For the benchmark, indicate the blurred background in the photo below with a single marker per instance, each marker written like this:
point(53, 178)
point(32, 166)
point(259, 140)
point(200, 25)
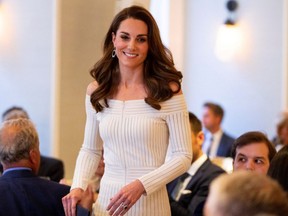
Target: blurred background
point(47, 48)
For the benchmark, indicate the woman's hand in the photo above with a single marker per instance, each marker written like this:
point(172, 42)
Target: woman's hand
point(70, 201)
point(125, 198)
point(87, 198)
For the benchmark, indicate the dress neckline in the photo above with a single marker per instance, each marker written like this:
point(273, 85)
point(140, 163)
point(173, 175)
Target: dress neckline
point(174, 96)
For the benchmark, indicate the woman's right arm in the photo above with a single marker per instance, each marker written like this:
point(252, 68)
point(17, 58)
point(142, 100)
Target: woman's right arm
point(88, 157)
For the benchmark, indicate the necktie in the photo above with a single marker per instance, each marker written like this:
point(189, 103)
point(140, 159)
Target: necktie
point(210, 146)
point(176, 193)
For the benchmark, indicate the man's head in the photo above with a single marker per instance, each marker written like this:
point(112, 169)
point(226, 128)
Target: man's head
point(19, 144)
point(282, 128)
point(197, 136)
point(212, 116)
point(14, 112)
point(245, 193)
point(252, 151)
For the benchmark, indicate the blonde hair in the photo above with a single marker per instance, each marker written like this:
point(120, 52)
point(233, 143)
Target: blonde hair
point(247, 193)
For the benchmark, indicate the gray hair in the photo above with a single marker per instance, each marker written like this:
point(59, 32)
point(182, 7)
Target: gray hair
point(17, 138)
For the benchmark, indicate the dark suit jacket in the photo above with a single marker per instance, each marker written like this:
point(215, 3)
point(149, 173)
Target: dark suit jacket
point(80, 211)
point(225, 146)
point(50, 168)
point(192, 204)
point(24, 194)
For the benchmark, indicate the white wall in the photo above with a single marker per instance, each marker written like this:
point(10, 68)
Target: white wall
point(26, 61)
point(249, 87)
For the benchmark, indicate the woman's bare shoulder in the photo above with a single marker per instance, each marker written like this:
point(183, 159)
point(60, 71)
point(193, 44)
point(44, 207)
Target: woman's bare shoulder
point(91, 87)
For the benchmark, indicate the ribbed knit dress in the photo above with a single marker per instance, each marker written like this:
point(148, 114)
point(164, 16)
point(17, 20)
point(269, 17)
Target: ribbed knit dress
point(135, 139)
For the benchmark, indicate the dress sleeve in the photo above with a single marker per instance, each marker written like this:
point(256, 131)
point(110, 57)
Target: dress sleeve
point(91, 150)
point(180, 144)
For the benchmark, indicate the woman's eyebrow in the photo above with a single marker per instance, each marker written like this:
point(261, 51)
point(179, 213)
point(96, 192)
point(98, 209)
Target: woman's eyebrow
point(139, 35)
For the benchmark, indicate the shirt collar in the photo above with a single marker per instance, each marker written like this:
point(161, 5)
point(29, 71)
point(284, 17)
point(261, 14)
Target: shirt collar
point(16, 168)
point(197, 164)
point(218, 134)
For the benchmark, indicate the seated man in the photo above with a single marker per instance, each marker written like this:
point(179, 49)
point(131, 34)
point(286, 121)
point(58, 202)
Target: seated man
point(217, 142)
point(252, 151)
point(22, 192)
point(188, 195)
point(245, 193)
point(50, 168)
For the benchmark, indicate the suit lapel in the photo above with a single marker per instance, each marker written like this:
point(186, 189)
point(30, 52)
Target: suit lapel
point(194, 183)
point(221, 148)
point(197, 176)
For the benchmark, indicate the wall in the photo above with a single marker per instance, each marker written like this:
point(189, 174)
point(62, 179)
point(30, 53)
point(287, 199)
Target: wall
point(26, 48)
point(79, 39)
point(249, 87)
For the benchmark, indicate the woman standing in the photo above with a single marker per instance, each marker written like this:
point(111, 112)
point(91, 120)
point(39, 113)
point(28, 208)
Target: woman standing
point(135, 109)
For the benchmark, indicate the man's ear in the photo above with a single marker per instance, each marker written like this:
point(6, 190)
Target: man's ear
point(34, 154)
point(200, 138)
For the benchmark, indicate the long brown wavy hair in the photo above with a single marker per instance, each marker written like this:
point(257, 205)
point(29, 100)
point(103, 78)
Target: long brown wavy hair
point(159, 71)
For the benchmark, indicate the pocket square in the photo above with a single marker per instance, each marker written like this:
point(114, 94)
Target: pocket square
point(184, 192)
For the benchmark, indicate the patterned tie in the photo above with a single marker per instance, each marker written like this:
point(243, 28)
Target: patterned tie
point(176, 192)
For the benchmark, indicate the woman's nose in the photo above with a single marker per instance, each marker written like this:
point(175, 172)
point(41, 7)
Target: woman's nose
point(131, 45)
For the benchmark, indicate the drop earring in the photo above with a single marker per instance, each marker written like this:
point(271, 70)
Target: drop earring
point(114, 53)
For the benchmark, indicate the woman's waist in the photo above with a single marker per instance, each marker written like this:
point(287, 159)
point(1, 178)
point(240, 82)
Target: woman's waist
point(125, 174)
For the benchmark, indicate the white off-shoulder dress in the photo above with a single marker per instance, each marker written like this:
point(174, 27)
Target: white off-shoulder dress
point(135, 139)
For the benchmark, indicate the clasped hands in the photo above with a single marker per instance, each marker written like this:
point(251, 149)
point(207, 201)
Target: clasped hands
point(119, 204)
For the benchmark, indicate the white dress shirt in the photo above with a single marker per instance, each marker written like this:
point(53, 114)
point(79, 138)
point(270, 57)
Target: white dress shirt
point(214, 145)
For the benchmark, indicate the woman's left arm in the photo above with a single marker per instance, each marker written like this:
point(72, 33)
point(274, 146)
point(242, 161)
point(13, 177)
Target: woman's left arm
point(177, 120)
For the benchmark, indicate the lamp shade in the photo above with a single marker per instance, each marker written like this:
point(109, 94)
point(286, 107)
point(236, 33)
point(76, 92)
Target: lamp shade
point(228, 42)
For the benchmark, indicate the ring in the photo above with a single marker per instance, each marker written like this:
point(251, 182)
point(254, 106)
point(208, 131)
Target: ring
point(124, 206)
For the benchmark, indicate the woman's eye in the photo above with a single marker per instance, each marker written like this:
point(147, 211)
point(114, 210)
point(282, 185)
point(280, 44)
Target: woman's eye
point(141, 39)
point(124, 37)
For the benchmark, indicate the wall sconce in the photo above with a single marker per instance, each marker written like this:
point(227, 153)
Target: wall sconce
point(229, 36)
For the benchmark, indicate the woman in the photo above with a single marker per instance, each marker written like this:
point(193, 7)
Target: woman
point(140, 109)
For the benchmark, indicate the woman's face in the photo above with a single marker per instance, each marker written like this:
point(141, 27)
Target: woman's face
point(131, 43)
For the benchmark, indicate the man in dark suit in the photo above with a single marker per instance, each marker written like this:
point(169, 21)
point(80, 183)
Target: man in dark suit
point(50, 168)
point(188, 193)
point(217, 142)
point(21, 191)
